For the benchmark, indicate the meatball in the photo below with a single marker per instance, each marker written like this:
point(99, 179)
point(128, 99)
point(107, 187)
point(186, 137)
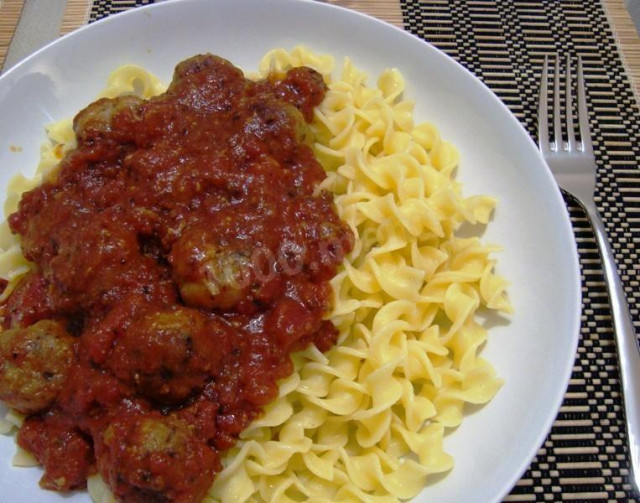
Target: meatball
point(215, 273)
point(168, 354)
point(29, 302)
point(153, 458)
point(97, 120)
point(207, 83)
point(210, 276)
point(304, 88)
point(34, 365)
point(271, 127)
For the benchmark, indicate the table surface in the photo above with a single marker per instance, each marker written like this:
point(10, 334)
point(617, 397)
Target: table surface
point(584, 458)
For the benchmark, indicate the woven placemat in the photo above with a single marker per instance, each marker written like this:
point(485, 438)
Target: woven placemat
point(503, 42)
point(9, 16)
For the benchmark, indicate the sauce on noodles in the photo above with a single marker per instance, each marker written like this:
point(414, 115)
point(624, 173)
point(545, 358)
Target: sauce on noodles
point(182, 251)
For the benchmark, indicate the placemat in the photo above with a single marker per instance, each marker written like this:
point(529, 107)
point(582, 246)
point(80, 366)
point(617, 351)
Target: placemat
point(9, 16)
point(503, 42)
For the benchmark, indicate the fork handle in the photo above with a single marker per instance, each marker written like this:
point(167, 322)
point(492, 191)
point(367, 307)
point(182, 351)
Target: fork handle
point(626, 342)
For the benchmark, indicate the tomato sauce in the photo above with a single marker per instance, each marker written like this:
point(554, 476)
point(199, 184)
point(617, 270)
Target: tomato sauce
point(182, 251)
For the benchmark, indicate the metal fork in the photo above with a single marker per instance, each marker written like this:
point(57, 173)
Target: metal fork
point(573, 164)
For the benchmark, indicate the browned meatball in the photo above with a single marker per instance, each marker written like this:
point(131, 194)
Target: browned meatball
point(97, 120)
point(272, 127)
point(208, 276)
point(155, 458)
point(168, 354)
point(207, 83)
point(29, 302)
point(34, 364)
point(215, 273)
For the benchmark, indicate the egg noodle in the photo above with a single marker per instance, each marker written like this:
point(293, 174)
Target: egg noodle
point(366, 420)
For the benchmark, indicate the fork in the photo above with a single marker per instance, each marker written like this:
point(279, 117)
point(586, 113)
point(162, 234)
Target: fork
point(573, 164)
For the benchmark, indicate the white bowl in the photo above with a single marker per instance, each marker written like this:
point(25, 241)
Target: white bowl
point(534, 353)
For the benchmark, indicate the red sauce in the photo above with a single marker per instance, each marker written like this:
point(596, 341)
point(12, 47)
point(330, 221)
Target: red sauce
point(183, 251)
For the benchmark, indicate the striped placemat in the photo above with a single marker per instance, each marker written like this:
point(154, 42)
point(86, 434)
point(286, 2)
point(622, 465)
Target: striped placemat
point(503, 42)
point(9, 16)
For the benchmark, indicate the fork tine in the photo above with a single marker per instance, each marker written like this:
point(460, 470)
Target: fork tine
point(583, 115)
point(557, 129)
point(571, 138)
point(543, 126)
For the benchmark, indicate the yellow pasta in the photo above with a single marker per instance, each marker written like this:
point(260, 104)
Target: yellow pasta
point(366, 420)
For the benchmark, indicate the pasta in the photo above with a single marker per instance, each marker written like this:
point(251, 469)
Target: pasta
point(366, 420)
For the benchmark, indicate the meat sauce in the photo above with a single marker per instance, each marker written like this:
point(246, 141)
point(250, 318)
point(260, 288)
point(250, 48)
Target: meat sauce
point(182, 251)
